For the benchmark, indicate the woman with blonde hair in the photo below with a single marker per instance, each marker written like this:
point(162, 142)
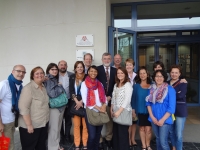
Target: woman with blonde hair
point(130, 64)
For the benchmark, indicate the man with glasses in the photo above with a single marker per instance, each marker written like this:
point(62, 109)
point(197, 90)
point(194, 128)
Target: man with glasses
point(64, 80)
point(10, 91)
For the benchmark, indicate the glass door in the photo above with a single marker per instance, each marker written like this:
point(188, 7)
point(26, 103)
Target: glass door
point(146, 56)
point(167, 54)
point(188, 59)
point(121, 42)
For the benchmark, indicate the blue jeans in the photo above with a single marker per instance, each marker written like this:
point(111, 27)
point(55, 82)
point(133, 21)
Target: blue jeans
point(161, 134)
point(177, 132)
point(94, 133)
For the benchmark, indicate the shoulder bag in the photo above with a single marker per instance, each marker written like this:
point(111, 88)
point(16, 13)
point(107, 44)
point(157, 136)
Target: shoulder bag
point(96, 118)
point(81, 111)
point(59, 101)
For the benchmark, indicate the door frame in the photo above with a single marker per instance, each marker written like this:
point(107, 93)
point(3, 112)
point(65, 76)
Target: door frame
point(111, 31)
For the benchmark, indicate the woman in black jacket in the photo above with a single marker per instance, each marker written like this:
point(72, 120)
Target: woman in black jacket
point(75, 82)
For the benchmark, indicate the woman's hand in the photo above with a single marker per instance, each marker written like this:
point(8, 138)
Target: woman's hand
point(103, 107)
point(116, 114)
point(78, 104)
point(160, 122)
point(155, 121)
point(133, 114)
point(30, 129)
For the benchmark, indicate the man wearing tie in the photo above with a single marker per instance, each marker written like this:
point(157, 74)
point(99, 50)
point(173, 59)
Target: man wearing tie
point(106, 75)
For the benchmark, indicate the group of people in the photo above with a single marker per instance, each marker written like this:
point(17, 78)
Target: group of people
point(129, 99)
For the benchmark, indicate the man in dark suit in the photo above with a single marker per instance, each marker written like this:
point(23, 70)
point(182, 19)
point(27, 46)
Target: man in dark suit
point(106, 75)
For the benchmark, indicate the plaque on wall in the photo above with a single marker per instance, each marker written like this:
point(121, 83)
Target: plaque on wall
point(85, 40)
point(82, 52)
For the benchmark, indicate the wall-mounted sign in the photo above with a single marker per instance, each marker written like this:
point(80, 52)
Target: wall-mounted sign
point(85, 40)
point(82, 52)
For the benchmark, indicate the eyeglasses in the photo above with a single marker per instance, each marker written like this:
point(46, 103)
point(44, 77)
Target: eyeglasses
point(54, 69)
point(19, 71)
point(159, 76)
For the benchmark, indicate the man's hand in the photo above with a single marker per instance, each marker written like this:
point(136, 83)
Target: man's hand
point(1, 127)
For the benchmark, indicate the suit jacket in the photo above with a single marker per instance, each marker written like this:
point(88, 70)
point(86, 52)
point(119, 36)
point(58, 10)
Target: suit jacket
point(102, 78)
point(69, 73)
point(72, 89)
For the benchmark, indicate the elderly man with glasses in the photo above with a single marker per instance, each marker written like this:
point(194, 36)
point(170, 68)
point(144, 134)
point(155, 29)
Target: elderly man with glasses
point(10, 91)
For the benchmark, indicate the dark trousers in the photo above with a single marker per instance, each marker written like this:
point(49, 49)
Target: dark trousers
point(120, 137)
point(68, 123)
point(94, 133)
point(34, 141)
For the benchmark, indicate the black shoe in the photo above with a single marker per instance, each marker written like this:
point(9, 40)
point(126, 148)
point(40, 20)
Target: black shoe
point(109, 144)
point(101, 146)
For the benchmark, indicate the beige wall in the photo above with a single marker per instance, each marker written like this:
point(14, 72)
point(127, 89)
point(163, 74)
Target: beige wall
point(38, 32)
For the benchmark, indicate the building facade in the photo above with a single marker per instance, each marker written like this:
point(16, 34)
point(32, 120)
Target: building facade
point(35, 33)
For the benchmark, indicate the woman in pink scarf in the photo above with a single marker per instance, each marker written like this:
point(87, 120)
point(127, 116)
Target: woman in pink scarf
point(93, 96)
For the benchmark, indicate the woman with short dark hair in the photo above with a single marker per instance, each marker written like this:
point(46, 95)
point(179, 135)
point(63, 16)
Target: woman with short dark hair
point(161, 103)
point(94, 98)
point(54, 89)
point(34, 112)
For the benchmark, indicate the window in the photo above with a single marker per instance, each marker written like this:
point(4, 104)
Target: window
point(122, 16)
point(168, 14)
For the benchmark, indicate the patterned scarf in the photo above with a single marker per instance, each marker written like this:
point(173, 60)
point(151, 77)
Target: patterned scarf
point(93, 85)
point(157, 94)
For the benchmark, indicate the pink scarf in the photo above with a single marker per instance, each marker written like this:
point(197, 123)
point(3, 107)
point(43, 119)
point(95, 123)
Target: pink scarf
point(157, 94)
point(93, 85)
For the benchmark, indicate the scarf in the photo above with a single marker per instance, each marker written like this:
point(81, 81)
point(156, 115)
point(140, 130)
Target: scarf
point(157, 94)
point(15, 93)
point(93, 85)
point(79, 78)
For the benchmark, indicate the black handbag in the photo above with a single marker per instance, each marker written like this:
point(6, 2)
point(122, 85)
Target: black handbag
point(81, 111)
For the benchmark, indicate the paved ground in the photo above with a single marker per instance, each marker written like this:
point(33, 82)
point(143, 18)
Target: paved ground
point(191, 135)
point(187, 145)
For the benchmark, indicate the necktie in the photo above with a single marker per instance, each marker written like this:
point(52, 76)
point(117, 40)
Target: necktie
point(108, 78)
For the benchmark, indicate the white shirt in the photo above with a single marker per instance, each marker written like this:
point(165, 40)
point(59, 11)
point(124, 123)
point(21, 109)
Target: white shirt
point(133, 77)
point(65, 83)
point(121, 96)
point(6, 102)
point(84, 91)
